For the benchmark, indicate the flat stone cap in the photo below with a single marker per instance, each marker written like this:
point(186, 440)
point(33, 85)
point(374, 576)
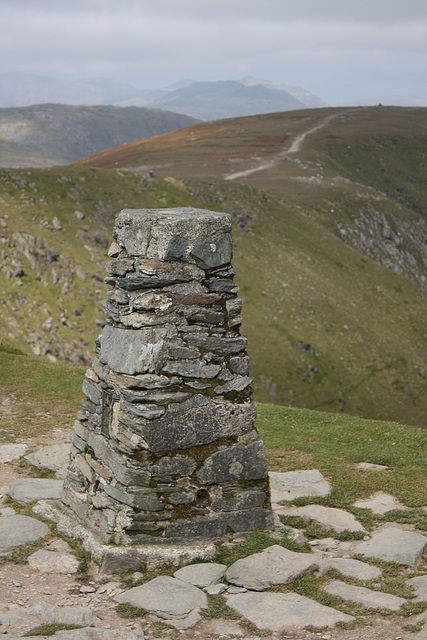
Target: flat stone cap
point(191, 235)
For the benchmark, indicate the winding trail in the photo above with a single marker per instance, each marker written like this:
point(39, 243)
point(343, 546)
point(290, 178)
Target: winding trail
point(293, 148)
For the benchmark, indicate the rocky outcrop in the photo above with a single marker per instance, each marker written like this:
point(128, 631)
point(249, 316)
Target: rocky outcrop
point(399, 245)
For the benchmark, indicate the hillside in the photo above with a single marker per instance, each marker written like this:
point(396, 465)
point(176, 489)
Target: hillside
point(329, 241)
point(52, 134)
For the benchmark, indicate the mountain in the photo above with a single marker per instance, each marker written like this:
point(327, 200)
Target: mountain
point(227, 98)
point(53, 134)
point(24, 89)
point(304, 96)
point(330, 237)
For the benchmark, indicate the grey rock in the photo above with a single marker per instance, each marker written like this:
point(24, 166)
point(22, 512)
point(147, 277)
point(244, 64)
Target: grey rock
point(147, 411)
point(54, 457)
point(92, 633)
point(200, 528)
point(179, 466)
point(174, 601)
point(217, 344)
point(143, 381)
point(133, 351)
point(53, 562)
point(92, 391)
point(191, 369)
point(244, 500)
point(163, 233)
point(284, 611)
point(145, 499)
point(10, 452)
point(202, 423)
point(394, 545)
point(239, 365)
point(235, 590)
point(216, 589)
point(249, 520)
point(420, 585)
point(349, 567)
point(236, 384)
point(199, 386)
point(201, 575)
point(274, 565)
point(155, 396)
point(380, 503)
point(240, 462)
point(16, 530)
point(45, 613)
point(297, 484)
point(213, 253)
point(27, 490)
point(117, 462)
point(182, 498)
point(336, 519)
point(367, 597)
point(223, 285)
point(119, 267)
point(369, 466)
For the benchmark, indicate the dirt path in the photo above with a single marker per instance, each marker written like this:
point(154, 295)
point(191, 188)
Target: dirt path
point(294, 147)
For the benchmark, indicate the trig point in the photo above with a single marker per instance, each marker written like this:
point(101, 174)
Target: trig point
point(165, 455)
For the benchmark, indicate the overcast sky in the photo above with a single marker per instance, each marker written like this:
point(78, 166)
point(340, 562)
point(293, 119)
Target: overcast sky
point(340, 50)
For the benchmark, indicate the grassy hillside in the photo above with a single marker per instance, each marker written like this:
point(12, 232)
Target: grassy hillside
point(328, 245)
point(52, 134)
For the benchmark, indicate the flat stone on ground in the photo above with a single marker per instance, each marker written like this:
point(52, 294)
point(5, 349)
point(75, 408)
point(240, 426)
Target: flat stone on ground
point(53, 562)
point(223, 628)
point(367, 597)
point(10, 452)
point(16, 530)
point(284, 611)
point(91, 633)
point(380, 503)
point(350, 568)
point(45, 613)
point(297, 484)
point(394, 545)
point(331, 518)
point(420, 584)
point(54, 457)
point(26, 490)
point(370, 466)
point(274, 565)
point(202, 574)
point(176, 602)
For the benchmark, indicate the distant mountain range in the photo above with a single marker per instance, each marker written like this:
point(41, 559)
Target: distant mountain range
point(227, 98)
point(201, 100)
point(54, 134)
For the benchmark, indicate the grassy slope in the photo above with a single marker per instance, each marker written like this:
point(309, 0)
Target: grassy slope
point(300, 283)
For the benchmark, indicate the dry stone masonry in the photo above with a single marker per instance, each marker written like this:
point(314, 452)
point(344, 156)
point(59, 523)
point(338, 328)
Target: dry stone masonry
point(165, 449)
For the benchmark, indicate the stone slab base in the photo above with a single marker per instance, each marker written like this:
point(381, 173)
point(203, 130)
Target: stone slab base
point(116, 559)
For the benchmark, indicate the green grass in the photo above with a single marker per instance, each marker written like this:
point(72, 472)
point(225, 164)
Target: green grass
point(49, 629)
point(334, 444)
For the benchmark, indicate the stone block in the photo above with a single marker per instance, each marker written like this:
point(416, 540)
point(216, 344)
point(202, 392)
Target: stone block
point(197, 426)
point(240, 462)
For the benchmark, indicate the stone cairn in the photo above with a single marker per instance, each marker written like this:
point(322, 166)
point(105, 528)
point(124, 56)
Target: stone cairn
point(165, 449)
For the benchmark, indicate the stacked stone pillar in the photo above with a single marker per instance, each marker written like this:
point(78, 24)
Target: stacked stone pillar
point(165, 450)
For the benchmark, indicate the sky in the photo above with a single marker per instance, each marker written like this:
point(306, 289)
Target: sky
point(341, 50)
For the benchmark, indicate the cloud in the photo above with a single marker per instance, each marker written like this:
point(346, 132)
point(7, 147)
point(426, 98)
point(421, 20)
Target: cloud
point(152, 42)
